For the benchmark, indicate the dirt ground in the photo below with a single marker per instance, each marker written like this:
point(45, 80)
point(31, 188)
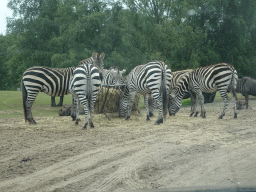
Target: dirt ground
point(120, 155)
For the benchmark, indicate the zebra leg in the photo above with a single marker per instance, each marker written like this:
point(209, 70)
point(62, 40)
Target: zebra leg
point(226, 100)
point(129, 105)
point(194, 103)
point(76, 111)
point(28, 106)
point(146, 106)
point(234, 100)
point(151, 106)
point(29, 113)
point(199, 97)
point(53, 104)
point(61, 101)
point(91, 113)
point(246, 100)
point(86, 111)
point(158, 99)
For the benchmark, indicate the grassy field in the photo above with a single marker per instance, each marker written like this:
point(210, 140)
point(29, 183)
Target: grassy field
point(11, 104)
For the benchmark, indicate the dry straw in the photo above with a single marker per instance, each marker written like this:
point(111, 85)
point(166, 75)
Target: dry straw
point(111, 97)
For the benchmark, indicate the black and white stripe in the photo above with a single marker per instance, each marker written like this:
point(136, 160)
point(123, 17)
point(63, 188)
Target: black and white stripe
point(179, 90)
point(219, 77)
point(52, 81)
point(85, 85)
point(151, 78)
point(177, 76)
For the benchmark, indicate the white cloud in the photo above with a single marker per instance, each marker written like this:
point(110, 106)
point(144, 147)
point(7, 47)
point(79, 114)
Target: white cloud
point(4, 12)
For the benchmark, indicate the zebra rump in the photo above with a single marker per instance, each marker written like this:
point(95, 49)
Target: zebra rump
point(85, 84)
point(151, 78)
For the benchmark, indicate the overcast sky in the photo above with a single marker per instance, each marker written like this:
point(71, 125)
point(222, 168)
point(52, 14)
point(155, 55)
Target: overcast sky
point(4, 12)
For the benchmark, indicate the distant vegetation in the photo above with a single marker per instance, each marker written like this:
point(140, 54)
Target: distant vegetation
point(184, 34)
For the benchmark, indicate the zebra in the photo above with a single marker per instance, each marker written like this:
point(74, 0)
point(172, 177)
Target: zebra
point(176, 77)
point(52, 81)
point(85, 85)
point(151, 78)
point(178, 92)
point(246, 86)
point(220, 77)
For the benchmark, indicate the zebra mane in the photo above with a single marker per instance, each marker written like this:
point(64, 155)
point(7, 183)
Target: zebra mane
point(214, 65)
point(85, 60)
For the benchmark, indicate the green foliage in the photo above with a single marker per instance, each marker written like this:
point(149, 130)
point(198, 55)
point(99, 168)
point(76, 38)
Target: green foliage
point(186, 102)
point(184, 34)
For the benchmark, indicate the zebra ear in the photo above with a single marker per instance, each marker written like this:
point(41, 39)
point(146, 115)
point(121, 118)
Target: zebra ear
point(123, 71)
point(102, 56)
point(95, 56)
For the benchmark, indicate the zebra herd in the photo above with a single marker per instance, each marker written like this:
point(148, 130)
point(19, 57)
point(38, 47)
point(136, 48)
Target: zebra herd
point(153, 80)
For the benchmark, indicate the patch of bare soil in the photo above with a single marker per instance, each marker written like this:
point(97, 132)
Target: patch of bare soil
point(120, 155)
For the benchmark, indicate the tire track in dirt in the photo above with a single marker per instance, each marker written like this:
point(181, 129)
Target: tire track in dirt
point(182, 152)
point(81, 163)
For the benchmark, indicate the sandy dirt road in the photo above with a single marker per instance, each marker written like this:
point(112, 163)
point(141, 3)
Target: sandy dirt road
point(119, 155)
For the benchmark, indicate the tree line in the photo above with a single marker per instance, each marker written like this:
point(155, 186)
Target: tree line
point(182, 33)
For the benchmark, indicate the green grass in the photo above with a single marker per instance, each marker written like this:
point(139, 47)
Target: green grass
point(11, 104)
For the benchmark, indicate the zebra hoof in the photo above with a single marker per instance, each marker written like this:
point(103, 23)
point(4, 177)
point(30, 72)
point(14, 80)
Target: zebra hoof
point(84, 127)
point(32, 122)
point(127, 117)
point(159, 121)
point(191, 115)
point(235, 116)
point(148, 119)
point(91, 125)
point(151, 114)
point(76, 123)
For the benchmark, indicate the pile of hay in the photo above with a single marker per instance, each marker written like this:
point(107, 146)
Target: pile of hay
point(112, 97)
point(111, 105)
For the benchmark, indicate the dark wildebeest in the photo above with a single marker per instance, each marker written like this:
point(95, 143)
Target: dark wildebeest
point(246, 86)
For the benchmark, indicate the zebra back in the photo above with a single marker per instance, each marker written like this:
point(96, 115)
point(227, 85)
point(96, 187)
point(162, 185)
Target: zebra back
point(52, 81)
point(209, 76)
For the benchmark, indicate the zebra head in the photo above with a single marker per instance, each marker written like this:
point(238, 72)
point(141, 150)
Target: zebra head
point(177, 93)
point(116, 77)
point(98, 61)
point(174, 103)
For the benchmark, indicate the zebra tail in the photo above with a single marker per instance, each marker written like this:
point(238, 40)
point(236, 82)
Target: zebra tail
point(89, 90)
point(233, 84)
point(164, 93)
point(24, 98)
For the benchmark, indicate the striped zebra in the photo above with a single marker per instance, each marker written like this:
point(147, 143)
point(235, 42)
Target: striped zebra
point(151, 78)
point(52, 81)
point(220, 77)
point(85, 85)
point(176, 77)
point(178, 92)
